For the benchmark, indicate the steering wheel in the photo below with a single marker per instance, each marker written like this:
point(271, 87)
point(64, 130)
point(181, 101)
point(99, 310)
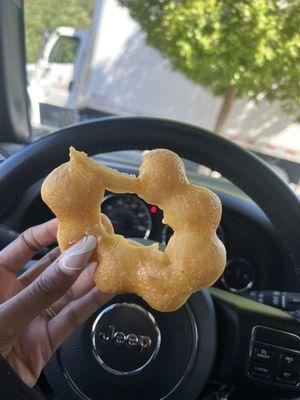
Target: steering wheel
point(129, 351)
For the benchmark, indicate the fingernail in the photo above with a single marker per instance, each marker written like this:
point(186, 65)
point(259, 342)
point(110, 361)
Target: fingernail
point(75, 258)
point(90, 265)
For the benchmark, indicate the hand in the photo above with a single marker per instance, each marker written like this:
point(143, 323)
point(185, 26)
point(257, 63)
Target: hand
point(28, 337)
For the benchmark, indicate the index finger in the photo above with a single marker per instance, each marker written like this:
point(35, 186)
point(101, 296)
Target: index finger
point(16, 254)
point(18, 311)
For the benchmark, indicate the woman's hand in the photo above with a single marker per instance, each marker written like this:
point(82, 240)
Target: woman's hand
point(40, 308)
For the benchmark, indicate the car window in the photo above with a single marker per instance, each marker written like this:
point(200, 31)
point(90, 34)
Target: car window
point(232, 68)
point(64, 51)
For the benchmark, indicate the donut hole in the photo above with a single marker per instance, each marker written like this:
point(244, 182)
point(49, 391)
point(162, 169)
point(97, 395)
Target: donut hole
point(130, 215)
point(167, 234)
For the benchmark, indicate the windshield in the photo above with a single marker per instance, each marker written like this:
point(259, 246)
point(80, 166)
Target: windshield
point(64, 51)
point(231, 67)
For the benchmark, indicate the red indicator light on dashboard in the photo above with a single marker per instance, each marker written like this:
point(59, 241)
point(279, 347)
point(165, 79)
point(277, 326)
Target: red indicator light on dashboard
point(153, 209)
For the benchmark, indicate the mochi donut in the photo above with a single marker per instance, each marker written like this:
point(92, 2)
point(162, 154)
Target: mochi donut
point(194, 257)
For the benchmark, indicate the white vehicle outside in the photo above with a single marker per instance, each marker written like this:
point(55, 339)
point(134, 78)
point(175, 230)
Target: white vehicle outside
point(111, 70)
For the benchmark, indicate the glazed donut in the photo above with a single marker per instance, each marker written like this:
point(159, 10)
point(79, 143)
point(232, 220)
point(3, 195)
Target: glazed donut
point(194, 257)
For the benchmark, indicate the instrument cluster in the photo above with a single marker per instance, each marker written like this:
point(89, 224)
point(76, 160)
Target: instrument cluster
point(132, 217)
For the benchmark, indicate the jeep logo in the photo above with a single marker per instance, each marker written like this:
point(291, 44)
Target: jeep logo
point(120, 338)
point(125, 338)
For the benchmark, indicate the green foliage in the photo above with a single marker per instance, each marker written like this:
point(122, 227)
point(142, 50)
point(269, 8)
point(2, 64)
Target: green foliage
point(250, 45)
point(41, 14)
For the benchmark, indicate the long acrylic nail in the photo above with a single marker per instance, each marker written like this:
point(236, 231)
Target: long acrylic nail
point(75, 258)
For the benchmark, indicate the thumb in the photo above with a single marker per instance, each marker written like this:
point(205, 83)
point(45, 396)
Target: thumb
point(21, 309)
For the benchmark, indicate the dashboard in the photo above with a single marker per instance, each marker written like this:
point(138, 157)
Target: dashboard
point(133, 217)
point(255, 257)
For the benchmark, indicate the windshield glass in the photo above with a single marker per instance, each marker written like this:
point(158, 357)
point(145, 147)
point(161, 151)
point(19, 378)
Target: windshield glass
point(64, 51)
point(231, 67)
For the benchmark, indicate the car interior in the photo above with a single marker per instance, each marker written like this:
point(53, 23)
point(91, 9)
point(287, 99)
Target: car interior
point(239, 339)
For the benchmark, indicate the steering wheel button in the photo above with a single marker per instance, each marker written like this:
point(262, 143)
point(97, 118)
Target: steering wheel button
point(288, 359)
point(263, 354)
point(288, 376)
point(260, 371)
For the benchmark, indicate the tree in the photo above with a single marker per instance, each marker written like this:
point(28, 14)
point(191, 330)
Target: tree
point(41, 14)
point(234, 48)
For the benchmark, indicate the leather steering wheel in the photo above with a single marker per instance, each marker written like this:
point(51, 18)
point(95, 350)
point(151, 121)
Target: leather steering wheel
point(184, 342)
